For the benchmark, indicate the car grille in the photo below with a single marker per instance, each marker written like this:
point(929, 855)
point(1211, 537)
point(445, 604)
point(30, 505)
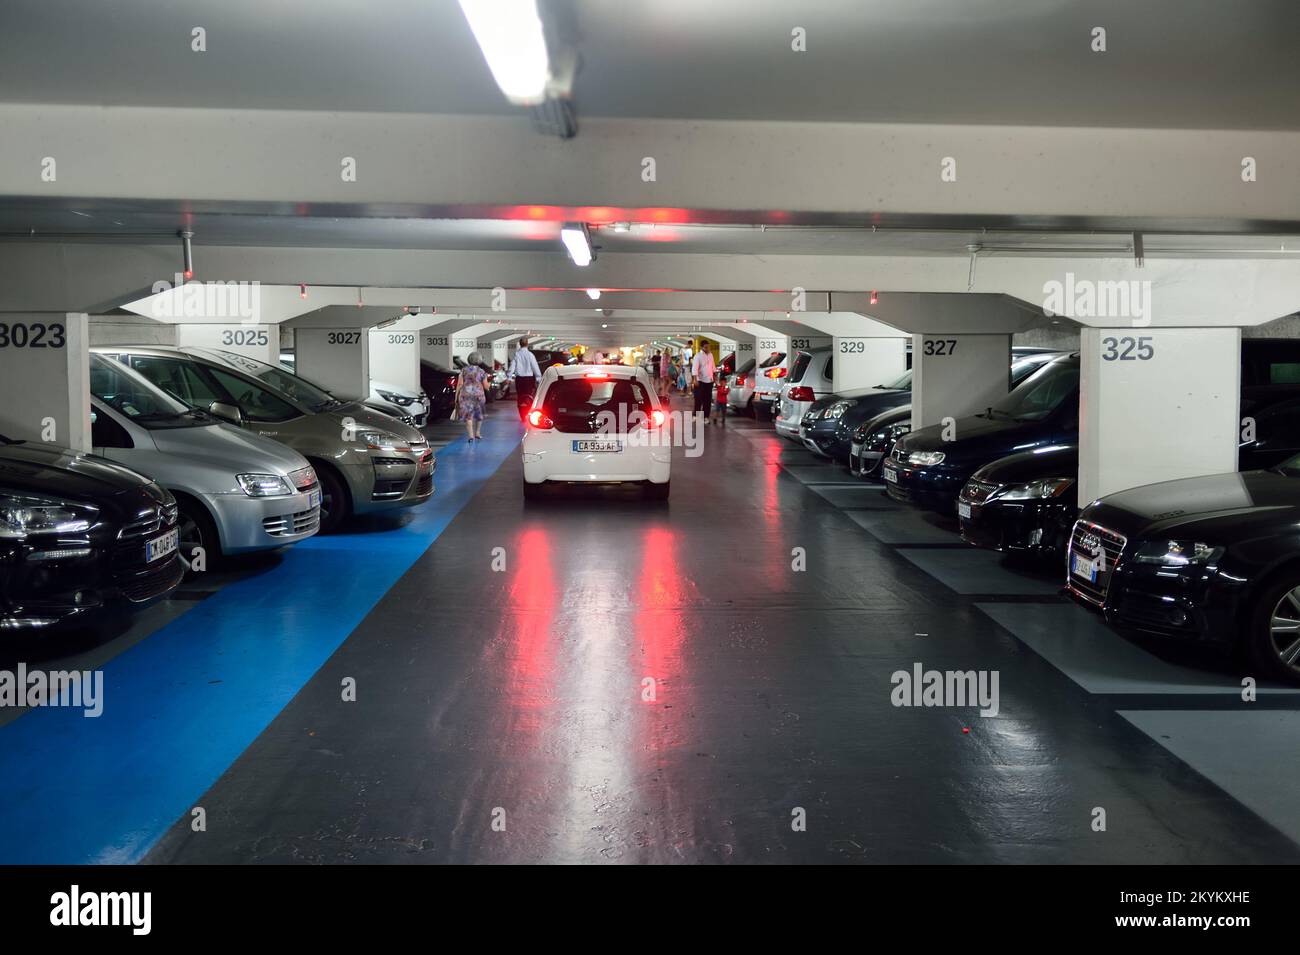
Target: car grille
point(155, 583)
point(151, 520)
point(977, 492)
point(1085, 539)
point(292, 525)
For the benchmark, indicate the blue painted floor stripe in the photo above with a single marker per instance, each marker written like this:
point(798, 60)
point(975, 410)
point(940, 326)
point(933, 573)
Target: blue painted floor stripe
point(180, 706)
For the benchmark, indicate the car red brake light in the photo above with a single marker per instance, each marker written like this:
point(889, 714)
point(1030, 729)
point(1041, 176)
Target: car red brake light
point(538, 419)
point(657, 418)
point(801, 393)
point(740, 381)
point(775, 373)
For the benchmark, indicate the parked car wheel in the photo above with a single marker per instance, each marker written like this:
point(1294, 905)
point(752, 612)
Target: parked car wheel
point(335, 502)
point(1275, 628)
point(197, 529)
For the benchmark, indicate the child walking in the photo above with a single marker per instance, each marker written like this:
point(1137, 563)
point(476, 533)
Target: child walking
point(720, 391)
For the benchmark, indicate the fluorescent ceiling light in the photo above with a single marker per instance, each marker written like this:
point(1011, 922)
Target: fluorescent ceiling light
point(509, 32)
point(593, 294)
point(577, 240)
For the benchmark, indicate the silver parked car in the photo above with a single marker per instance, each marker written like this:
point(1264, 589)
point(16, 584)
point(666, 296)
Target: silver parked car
point(236, 491)
point(366, 461)
point(811, 377)
point(740, 385)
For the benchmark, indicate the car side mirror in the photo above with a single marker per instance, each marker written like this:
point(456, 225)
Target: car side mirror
point(226, 412)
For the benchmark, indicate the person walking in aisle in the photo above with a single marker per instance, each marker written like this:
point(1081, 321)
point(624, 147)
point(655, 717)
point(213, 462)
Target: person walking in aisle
point(471, 396)
point(702, 369)
point(525, 371)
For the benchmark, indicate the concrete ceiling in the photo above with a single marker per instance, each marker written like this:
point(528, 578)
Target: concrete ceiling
point(1195, 64)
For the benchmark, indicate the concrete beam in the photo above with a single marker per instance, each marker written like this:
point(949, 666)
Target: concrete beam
point(494, 167)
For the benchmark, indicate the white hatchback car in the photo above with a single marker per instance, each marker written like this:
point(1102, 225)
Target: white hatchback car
point(597, 424)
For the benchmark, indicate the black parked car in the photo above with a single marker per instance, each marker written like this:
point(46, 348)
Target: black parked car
point(440, 385)
point(832, 422)
point(873, 440)
point(79, 533)
point(1214, 560)
point(1025, 503)
point(1028, 502)
point(827, 426)
point(1043, 410)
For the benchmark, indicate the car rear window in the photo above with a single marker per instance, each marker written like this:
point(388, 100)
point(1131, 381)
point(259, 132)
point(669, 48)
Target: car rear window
point(586, 405)
point(801, 362)
point(772, 360)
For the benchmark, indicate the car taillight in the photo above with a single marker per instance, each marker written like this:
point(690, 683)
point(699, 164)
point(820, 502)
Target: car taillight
point(657, 418)
point(801, 393)
point(775, 372)
point(538, 419)
point(455, 380)
point(740, 381)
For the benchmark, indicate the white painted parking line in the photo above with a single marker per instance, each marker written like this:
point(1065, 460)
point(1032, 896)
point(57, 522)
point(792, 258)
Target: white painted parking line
point(1094, 656)
point(1249, 755)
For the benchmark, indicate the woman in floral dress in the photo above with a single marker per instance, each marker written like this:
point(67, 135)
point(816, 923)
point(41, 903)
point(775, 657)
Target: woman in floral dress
point(471, 396)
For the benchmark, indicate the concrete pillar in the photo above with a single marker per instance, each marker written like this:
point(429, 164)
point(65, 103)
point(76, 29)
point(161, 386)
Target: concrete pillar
point(255, 341)
point(863, 361)
point(45, 378)
point(1156, 404)
point(955, 375)
point(337, 359)
point(435, 346)
point(395, 354)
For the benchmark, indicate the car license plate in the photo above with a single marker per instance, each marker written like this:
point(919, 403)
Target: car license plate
point(596, 447)
point(1083, 566)
point(963, 509)
point(162, 546)
point(891, 475)
point(855, 450)
point(313, 499)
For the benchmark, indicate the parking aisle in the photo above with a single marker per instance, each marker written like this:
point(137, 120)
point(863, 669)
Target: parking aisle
point(593, 678)
point(182, 703)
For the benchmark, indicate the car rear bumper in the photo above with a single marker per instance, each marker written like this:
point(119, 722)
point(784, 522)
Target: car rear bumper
point(549, 456)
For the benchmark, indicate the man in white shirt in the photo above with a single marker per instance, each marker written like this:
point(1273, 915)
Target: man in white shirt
point(525, 371)
point(702, 369)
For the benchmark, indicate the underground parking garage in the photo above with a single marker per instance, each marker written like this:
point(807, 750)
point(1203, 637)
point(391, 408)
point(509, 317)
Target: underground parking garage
point(581, 433)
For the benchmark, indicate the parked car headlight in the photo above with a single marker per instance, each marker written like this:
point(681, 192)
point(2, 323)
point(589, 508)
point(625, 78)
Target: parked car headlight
point(23, 514)
point(383, 441)
point(925, 458)
point(263, 485)
point(1035, 490)
point(400, 400)
point(837, 410)
point(1177, 553)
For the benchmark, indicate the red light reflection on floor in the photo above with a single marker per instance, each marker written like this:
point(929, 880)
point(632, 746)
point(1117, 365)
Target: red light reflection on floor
point(660, 628)
point(526, 626)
